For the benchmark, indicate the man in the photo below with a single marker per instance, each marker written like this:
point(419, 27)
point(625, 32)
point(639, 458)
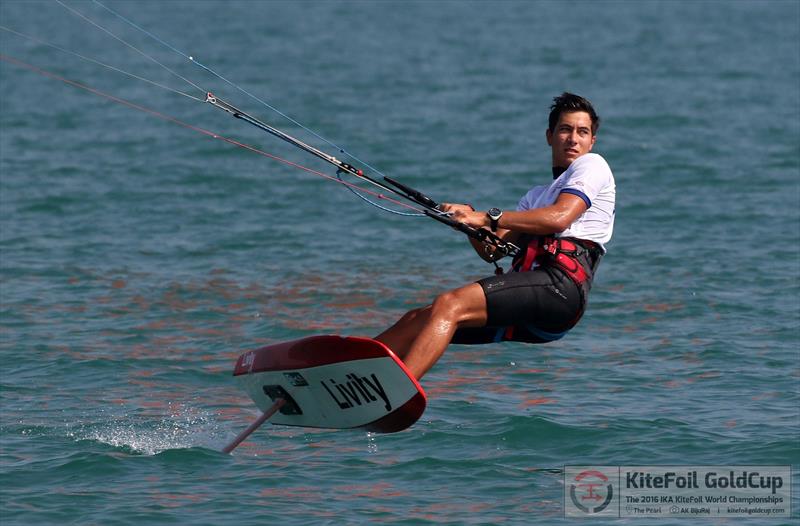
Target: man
point(562, 229)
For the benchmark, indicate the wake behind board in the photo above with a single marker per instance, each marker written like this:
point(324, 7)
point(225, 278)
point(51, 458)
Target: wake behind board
point(333, 382)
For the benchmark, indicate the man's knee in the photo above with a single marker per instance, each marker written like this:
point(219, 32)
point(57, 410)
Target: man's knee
point(464, 306)
point(449, 304)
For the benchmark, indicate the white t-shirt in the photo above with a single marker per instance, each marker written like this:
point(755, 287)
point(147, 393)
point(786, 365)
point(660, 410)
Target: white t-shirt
point(590, 178)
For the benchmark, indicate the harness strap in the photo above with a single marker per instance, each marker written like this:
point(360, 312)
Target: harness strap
point(564, 253)
point(532, 252)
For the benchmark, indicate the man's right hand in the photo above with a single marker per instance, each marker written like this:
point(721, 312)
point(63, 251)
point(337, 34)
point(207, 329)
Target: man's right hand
point(452, 207)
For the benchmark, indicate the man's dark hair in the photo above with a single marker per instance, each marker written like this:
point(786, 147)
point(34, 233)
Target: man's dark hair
point(569, 102)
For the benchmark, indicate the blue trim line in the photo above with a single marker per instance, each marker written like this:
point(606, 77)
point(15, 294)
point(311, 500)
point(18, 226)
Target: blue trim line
point(499, 336)
point(549, 336)
point(579, 194)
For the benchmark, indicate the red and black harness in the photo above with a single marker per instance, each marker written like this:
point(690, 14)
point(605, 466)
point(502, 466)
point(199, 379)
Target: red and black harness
point(576, 258)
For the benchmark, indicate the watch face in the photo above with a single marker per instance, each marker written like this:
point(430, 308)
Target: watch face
point(494, 213)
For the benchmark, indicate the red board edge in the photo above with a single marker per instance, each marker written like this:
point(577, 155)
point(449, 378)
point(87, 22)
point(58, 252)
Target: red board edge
point(304, 353)
point(402, 417)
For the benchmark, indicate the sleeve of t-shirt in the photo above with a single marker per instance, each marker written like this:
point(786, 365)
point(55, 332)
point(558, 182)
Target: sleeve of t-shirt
point(526, 203)
point(589, 175)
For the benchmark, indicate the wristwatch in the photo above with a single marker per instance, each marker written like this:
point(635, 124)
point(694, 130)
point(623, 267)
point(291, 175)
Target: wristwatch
point(494, 216)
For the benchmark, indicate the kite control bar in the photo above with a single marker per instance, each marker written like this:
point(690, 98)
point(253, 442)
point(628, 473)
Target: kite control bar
point(433, 210)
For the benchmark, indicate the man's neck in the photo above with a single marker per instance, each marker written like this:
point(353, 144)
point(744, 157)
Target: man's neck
point(558, 170)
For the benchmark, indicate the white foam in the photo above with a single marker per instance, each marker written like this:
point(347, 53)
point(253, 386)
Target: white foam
point(185, 427)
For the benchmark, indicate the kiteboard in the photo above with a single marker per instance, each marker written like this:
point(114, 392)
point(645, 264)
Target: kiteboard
point(332, 382)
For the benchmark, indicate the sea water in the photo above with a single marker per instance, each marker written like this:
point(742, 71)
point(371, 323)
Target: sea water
point(139, 258)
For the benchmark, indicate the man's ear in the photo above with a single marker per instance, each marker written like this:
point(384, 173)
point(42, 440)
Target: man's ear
point(549, 135)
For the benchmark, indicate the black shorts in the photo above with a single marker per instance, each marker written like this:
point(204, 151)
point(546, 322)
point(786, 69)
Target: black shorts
point(537, 306)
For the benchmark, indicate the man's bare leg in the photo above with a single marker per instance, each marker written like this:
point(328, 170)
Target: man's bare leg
point(400, 336)
point(421, 336)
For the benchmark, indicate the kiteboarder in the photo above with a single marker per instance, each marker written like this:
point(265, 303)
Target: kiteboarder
point(562, 228)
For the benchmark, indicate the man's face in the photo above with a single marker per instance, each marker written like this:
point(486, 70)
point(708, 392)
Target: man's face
point(571, 138)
